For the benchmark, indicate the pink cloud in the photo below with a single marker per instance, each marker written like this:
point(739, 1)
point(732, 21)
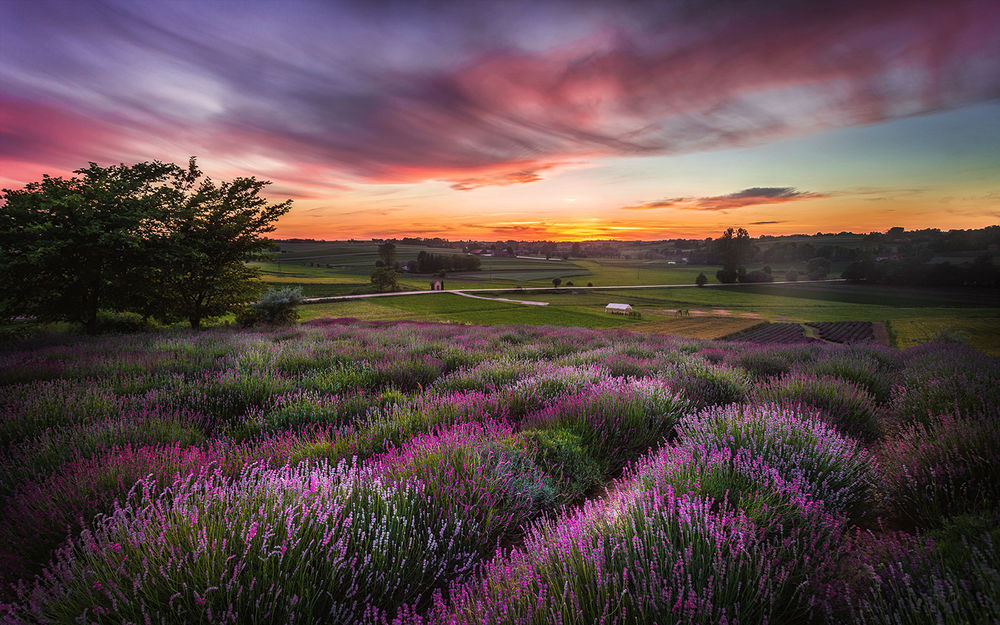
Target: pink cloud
point(654, 78)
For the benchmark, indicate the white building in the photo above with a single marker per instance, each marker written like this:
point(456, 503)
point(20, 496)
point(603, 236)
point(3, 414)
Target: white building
point(619, 309)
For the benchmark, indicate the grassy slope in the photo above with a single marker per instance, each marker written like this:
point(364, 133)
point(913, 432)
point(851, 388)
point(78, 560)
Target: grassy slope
point(916, 314)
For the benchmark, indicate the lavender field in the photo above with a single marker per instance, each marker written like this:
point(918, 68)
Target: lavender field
point(359, 472)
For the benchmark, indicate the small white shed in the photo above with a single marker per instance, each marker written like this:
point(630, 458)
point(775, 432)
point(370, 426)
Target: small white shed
point(620, 309)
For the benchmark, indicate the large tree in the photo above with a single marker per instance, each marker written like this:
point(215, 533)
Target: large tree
point(734, 249)
point(216, 231)
point(69, 247)
point(387, 254)
point(148, 238)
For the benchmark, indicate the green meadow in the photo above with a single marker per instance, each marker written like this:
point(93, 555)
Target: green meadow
point(913, 315)
point(324, 269)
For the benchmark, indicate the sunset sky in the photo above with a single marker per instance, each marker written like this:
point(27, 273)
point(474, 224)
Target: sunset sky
point(527, 120)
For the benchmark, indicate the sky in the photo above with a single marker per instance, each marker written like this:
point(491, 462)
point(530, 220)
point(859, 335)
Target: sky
point(527, 119)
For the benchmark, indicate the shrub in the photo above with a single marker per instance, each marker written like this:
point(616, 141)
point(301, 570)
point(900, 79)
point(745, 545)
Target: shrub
point(946, 378)
point(539, 390)
point(638, 557)
point(110, 322)
point(340, 379)
point(949, 467)
point(856, 368)
point(706, 385)
point(621, 366)
point(850, 409)
point(466, 474)
point(801, 528)
point(35, 520)
point(616, 420)
point(910, 582)
point(202, 550)
point(713, 355)
point(275, 307)
point(305, 409)
point(827, 466)
point(227, 396)
point(28, 409)
point(736, 478)
point(561, 454)
point(488, 375)
point(408, 374)
point(37, 456)
point(765, 361)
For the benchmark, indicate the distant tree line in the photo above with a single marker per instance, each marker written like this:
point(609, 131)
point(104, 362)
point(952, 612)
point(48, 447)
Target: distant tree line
point(981, 272)
point(155, 239)
point(428, 262)
point(839, 247)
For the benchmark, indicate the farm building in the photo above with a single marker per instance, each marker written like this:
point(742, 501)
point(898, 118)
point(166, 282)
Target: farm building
point(620, 309)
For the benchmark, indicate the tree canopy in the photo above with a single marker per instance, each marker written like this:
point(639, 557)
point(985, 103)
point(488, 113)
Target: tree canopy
point(734, 248)
point(153, 238)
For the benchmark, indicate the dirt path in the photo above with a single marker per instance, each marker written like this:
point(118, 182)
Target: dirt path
point(503, 299)
point(880, 333)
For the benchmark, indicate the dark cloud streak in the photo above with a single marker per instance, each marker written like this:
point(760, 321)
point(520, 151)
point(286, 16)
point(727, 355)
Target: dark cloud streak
point(753, 196)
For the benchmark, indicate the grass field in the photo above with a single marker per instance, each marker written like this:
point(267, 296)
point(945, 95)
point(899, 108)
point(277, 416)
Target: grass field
point(344, 268)
point(457, 309)
point(915, 315)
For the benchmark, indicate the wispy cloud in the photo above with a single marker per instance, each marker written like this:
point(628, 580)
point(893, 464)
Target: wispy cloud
point(503, 178)
point(444, 91)
point(753, 196)
point(668, 203)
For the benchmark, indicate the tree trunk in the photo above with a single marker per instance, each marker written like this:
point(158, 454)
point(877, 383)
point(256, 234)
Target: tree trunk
point(90, 322)
point(195, 321)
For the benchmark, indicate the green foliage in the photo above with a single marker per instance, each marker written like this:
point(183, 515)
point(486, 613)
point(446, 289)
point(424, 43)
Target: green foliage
point(857, 368)
point(276, 307)
point(385, 279)
point(734, 249)
point(146, 238)
point(216, 231)
point(850, 408)
point(818, 268)
point(701, 280)
point(947, 468)
point(440, 264)
point(387, 254)
point(560, 453)
point(74, 246)
point(109, 322)
point(706, 385)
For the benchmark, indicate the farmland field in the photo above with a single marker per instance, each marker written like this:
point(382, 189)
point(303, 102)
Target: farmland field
point(362, 472)
point(915, 315)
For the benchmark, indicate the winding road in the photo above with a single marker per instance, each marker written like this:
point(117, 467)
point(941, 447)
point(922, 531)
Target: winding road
point(465, 292)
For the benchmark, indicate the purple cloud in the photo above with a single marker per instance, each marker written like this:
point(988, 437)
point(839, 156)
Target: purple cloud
point(473, 94)
point(747, 197)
